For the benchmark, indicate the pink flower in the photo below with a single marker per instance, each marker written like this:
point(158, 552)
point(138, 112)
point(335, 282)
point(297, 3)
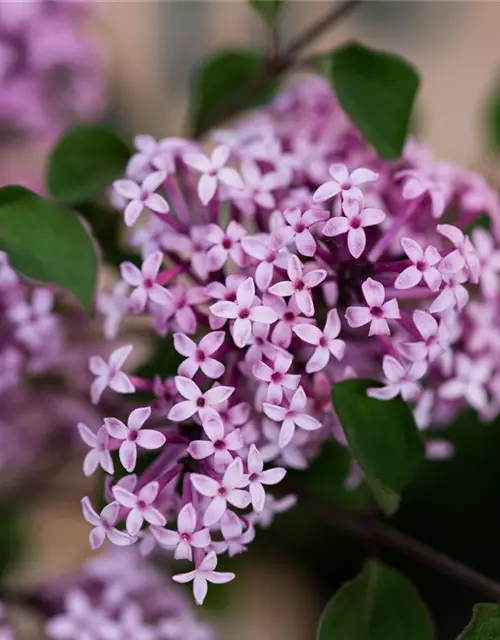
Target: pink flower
point(299, 285)
point(260, 345)
point(258, 188)
point(401, 380)
point(471, 378)
point(289, 315)
point(109, 374)
point(196, 401)
point(277, 377)
point(99, 454)
point(292, 417)
point(144, 281)
point(269, 253)
point(489, 260)
point(244, 312)
point(79, 621)
point(342, 182)
point(453, 295)
point(198, 356)
point(214, 172)
point(225, 244)
point(113, 307)
point(130, 624)
point(141, 196)
point(104, 525)
point(235, 538)
point(326, 341)
point(298, 229)
point(271, 508)
point(435, 338)
point(353, 222)
point(257, 478)
point(417, 184)
point(186, 535)
point(464, 254)
point(219, 444)
point(376, 313)
point(422, 267)
point(226, 292)
point(202, 575)
point(141, 507)
point(132, 436)
point(180, 312)
point(34, 321)
point(224, 491)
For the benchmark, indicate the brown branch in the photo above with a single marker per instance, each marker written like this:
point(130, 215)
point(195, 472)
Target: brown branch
point(393, 539)
point(281, 63)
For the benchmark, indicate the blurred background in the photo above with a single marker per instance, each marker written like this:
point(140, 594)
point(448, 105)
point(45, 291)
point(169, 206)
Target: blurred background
point(149, 50)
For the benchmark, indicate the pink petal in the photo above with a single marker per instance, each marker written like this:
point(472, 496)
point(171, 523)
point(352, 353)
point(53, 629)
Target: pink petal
point(246, 293)
point(207, 187)
point(383, 393)
point(263, 315)
point(356, 241)
point(371, 216)
point(379, 327)
point(215, 511)
point(116, 428)
point(153, 181)
point(391, 309)
point(373, 292)
point(121, 383)
point(216, 258)
point(128, 455)
point(239, 498)
point(212, 368)
point(408, 278)
point(254, 461)
point(318, 360)
point(97, 388)
point(220, 155)
point(124, 497)
point(88, 436)
point(154, 517)
point(132, 212)
point(217, 395)
point(283, 289)
point(150, 439)
point(138, 417)
point(241, 331)
point(287, 432)
point(339, 172)
point(201, 449)
point(89, 513)
point(156, 203)
point(304, 302)
point(204, 485)
point(305, 243)
point(182, 411)
point(432, 278)
point(254, 247)
point(118, 357)
point(184, 345)
point(200, 539)
point(149, 492)
point(258, 496)
point(361, 175)
point(127, 189)
point(326, 191)
point(308, 333)
point(134, 522)
point(314, 278)
point(97, 537)
point(336, 226)
point(231, 178)
point(166, 538)
point(211, 342)
point(91, 462)
point(412, 249)
point(393, 370)
point(224, 309)
point(187, 388)
point(131, 274)
point(426, 324)
point(451, 232)
point(357, 316)
point(273, 476)
point(294, 268)
point(452, 263)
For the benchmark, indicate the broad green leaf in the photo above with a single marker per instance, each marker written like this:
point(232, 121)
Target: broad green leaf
point(269, 10)
point(218, 80)
point(387, 500)
point(377, 91)
point(485, 623)
point(381, 433)
point(85, 161)
point(47, 243)
point(379, 604)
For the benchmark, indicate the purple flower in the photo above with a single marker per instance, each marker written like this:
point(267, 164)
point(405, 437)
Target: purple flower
point(214, 172)
point(326, 341)
point(141, 506)
point(186, 537)
point(203, 574)
point(299, 285)
point(257, 477)
point(104, 525)
point(144, 281)
point(199, 357)
point(291, 417)
point(423, 266)
point(140, 196)
point(99, 454)
point(109, 374)
point(219, 444)
point(196, 401)
point(376, 313)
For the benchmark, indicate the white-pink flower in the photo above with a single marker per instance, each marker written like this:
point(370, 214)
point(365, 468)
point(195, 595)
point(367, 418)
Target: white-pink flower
point(326, 341)
point(244, 311)
point(227, 490)
point(376, 313)
point(99, 454)
point(196, 401)
point(258, 188)
point(423, 266)
point(489, 260)
point(225, 244)
point(298, 228)
point(132, 436)
point(454, 294)
point(257, 477)
point(269, 253)
point(141, 196)
point(219, 443)
point(356, 217)
point(103, 524)
point(202, 575)
point(144, 282)
point(214, 172)
point(464, 255)
point(109, 374)
point(342, 182)
point(276, 376)
point(199, 356)
point(235, 538)
point(401, 380)
point(291, 417)
point(186, 537)
point(141, 506)
point(299, 285)
point(435, 338)
point(469, 382)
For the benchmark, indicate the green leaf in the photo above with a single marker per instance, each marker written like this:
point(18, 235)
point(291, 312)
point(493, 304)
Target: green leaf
point(493, 117)
point(269, 10)
point(12, 538)
point(380, 604)
point(387, 500)
point(85, 161)
point(218, 80)
point(485, 623)
point(47, 243)
point(382, 434)
point(377, 91)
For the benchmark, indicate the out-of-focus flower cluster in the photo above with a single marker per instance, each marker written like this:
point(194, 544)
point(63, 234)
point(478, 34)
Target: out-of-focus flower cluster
point(50, 74)
point(288, 259)
point(116, 596)
point(43, 383)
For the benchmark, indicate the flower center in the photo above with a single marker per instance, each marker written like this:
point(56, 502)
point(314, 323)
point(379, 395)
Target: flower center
point(377, 312)
point(223, 491)
point(148, 283)
point(253, 477)
point(323, 342)
point(299, 285)
point(227, 243)
point(141, 505)
point(220, 445)
point(200, 402)
point(289, 316)
point(132, 435)
point(277, 377)
point(421, 265)
point(300, 227)
point(200, 356)
point(355, 222)
point(244, 313)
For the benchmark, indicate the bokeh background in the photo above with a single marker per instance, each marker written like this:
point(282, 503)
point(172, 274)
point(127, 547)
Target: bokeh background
point(150, 49)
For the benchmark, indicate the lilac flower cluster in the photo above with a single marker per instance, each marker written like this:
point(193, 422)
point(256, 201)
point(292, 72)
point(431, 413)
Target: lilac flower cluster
point(50, 74)
point(290, 258)
point(42, 383)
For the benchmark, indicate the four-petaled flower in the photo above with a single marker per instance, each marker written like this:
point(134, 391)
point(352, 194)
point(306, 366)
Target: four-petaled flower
point(299, 285)
point(464, 254)
point(258, 477)
point(141, 506)
point(199, 356)
point(435, 338)
point(109, 374)
point(99, 454)
point(186, 536)
point(203, 574)
point(196, 401)
point(276, 376)
point(471, 378)
point(141, 196)
point(219, 444)
point(214, 172)
point(298, 229)
point(291, 417)
point(376, 313)
point(423, 266)
point(342, 182)
point(227, 490)
point(103, 524)
point(225, 244)
point(144, 282)
point(326, 341)
point(133, 436)
point(356, 218)
point(400, 380)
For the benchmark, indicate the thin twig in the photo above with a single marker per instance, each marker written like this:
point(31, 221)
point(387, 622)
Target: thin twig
point(281, 63)
point(393, 539)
